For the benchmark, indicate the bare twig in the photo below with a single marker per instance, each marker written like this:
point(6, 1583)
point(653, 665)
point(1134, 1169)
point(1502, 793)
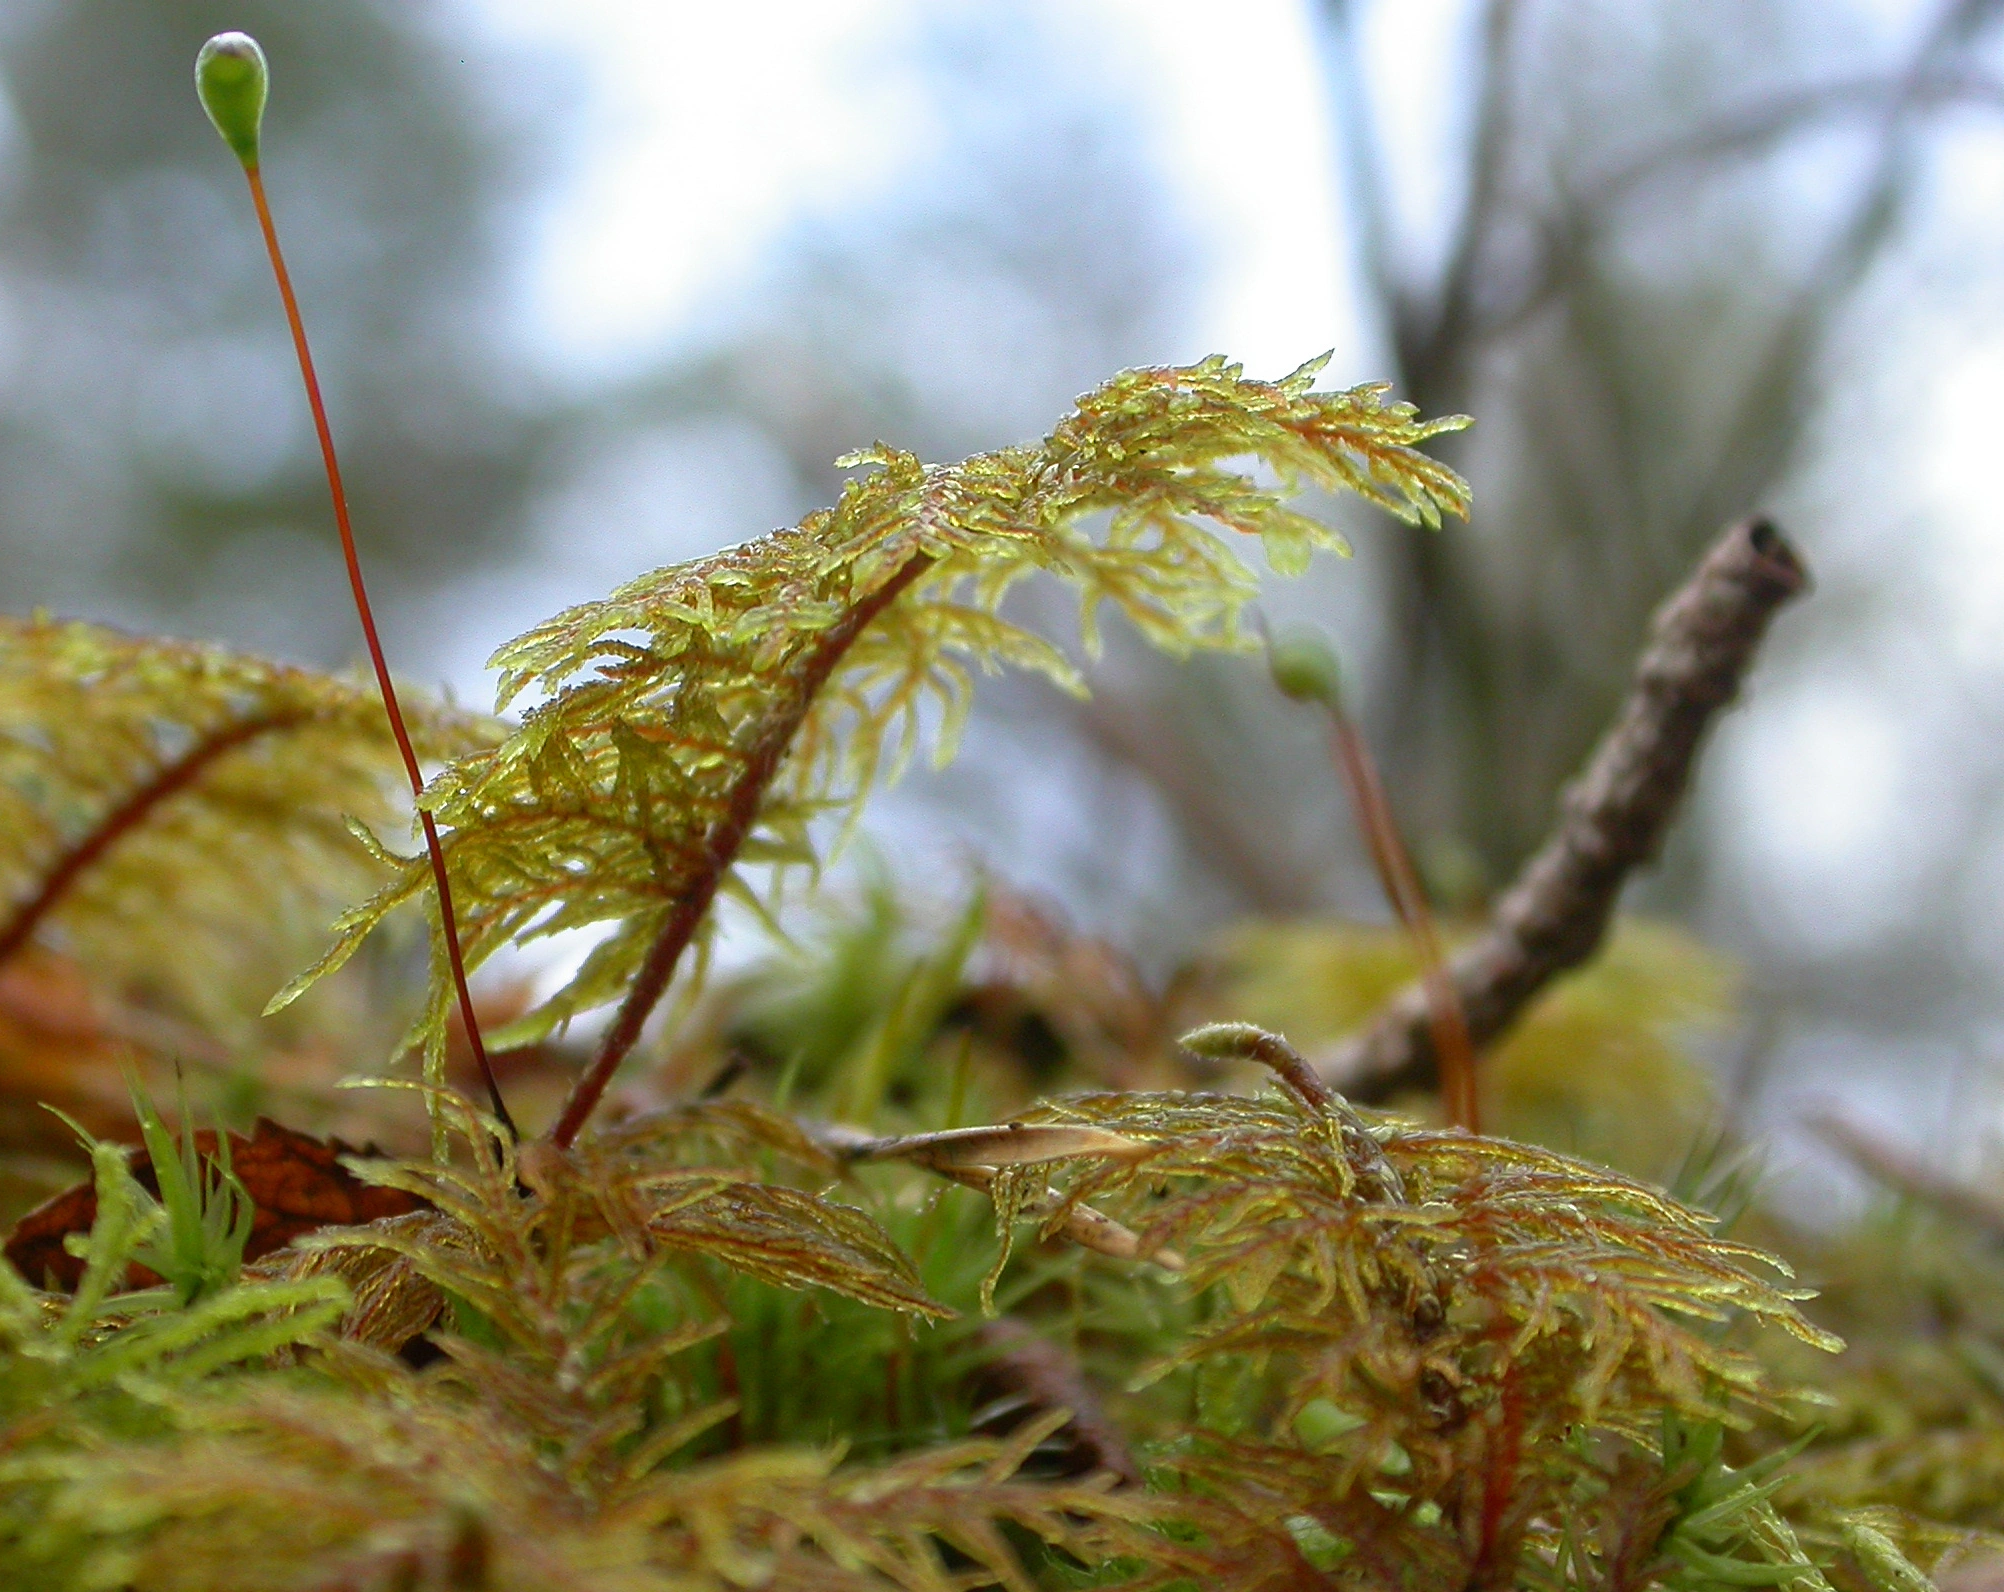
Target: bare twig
point(1903, 1174)
point(1004, 1144)
point(1084, 1226)
point(1612, 819)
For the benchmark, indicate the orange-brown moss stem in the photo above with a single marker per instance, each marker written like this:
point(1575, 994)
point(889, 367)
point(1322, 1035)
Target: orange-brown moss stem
point(377, 661)
point(1496, 1554)
point(810, 672)
point(1447, 1023)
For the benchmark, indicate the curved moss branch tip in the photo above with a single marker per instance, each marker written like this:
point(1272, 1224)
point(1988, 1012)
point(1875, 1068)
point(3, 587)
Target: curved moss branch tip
point(1229, 1042)
point(232, 79)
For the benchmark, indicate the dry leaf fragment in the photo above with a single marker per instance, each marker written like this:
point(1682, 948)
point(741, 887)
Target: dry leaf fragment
point(296, 1182)
point(1004, 1144)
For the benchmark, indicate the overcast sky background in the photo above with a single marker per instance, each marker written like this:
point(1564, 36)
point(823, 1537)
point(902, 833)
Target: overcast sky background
point(706, 129)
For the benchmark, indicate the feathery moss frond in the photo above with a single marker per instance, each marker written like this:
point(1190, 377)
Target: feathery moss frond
point(517, 1259)
point(168, 811)
point(389, 1482)
point(1420, 1344)
point(103, 1366)
point(1369, 1355)
point(1319, 1218)
point(702, 716)
point(1417, 1359)
point(543, 1441)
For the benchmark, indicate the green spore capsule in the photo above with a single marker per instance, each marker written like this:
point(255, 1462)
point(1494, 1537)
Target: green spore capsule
point(232, 79)
point(1304, 667)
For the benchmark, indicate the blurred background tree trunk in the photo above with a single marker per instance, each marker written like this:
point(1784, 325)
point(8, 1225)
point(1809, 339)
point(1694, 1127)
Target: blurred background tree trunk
point(1643, 359)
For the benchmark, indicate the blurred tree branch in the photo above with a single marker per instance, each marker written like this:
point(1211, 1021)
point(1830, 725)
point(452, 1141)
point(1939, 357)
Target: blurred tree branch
point(1467, 654)
point(1910, 1178)
point(1125, 732)
point(1611, 822)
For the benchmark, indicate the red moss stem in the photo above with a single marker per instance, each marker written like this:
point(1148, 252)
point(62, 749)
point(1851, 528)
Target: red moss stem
point(1445, 1018)
point(727, 836)
point(128, 815)
point(1499, 1482)
point(376, 659)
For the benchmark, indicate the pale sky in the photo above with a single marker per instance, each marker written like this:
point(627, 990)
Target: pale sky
point(713, 125)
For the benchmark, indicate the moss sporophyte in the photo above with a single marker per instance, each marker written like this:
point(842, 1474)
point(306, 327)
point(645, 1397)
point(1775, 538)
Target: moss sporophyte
point(234, 82)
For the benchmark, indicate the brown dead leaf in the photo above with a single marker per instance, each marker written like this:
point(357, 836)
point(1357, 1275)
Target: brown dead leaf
point(1035, 971)
point(392, 1302)
point(297, 1183)
point(60, 1043)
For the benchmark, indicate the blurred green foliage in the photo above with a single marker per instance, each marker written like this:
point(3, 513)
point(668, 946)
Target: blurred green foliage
point(1610, 1063)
